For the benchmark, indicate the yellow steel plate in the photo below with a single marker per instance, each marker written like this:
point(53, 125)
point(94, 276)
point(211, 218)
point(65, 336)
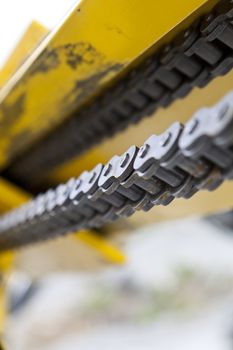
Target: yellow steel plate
point(30, 40)
point(12, 196)
point(95, 43)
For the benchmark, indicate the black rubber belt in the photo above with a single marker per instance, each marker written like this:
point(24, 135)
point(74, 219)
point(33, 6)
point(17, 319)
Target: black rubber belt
point(193, 59)
point(178, 163)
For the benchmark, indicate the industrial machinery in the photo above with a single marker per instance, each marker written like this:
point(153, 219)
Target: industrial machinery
point(82, 95)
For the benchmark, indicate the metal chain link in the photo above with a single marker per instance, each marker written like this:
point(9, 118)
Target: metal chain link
point(193, 59)
point(176, 164)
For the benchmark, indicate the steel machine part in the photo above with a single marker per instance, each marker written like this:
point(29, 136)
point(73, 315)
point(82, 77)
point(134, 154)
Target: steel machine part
point(178, 163)
point(192, 59)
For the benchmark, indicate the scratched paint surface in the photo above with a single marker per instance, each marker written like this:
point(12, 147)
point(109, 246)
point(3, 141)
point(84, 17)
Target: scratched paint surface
point(73, 57)
point(94, 44)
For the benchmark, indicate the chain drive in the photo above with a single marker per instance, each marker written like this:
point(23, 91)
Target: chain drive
point(176, 164)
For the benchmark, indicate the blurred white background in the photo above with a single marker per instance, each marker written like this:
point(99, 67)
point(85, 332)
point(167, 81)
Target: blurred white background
point(16, 15)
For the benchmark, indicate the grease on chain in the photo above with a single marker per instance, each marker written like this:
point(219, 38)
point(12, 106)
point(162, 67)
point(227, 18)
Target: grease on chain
point(175, 164)
point(193, 59)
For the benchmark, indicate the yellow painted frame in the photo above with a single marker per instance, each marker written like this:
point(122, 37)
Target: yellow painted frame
point(93, 45)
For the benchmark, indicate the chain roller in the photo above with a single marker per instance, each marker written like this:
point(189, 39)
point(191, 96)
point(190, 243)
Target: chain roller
point(176, 164)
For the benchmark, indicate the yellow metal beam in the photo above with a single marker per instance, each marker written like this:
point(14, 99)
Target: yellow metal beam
point(108, 251)
point(11, 196)
point(29, 41)
point(95, 43)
